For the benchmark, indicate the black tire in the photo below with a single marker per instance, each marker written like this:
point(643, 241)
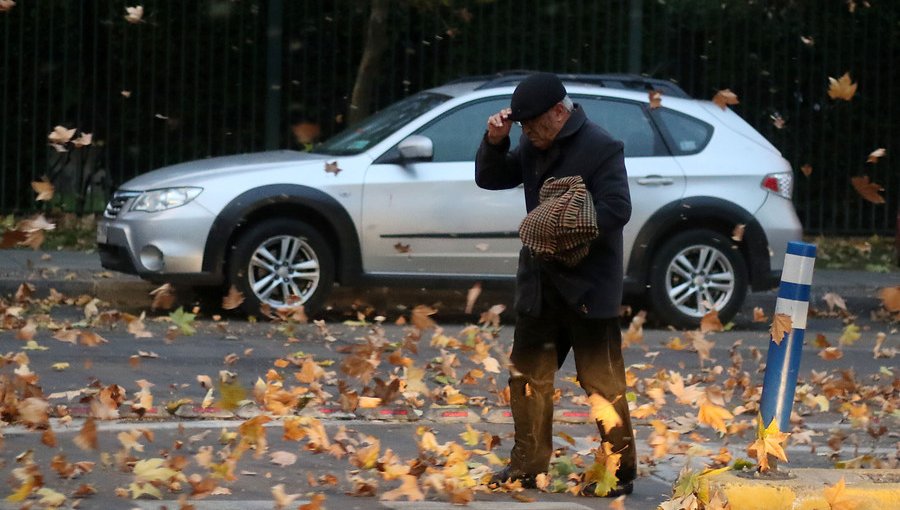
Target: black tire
point(680, 282)
point(281, 239)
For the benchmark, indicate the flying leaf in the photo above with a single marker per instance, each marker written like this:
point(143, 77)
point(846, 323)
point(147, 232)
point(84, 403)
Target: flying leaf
point(332, 168)
point(700, 344)
point(402, 248)
point(725, 97)
point(134, 14)
point(233, 299)
point(50, 498)
point(60, 135)
point(873, 156)
point(685, 395)
point(408, 489)
point(711, 322)
point(635, 332)
point(834, 300)
point(837, 498)
point(781, 325)
point(850, 335)
point(867, 190)
point(87, 437)
point(769, 441)
point(163, 297)
point(842, 88)
point(777, 120)
point(472, 296)
point(421, 317)
point(890, 298)
point(6, 6)
point(283, 458)
point(714, 416)
point(831, 353)
point(91, 339)
point(655, 97)
point(737, 235)
point(759, 315)
point(83, 140)
point(315, 503)
point(44, 189)
point(807, 169)
point(602, 410)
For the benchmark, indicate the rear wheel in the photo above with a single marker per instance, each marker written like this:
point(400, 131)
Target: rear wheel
point(282, 263)
point(694, 272)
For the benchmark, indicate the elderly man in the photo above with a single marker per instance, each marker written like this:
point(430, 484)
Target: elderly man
point(562, 306)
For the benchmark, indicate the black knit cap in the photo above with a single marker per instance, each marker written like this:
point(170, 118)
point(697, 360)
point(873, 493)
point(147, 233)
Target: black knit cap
point(535, 95)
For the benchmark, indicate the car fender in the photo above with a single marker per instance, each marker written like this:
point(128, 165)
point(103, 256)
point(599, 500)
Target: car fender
point(327, 214)
point(699, 212)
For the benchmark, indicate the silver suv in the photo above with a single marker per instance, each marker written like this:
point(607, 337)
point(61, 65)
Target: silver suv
point(393, 199)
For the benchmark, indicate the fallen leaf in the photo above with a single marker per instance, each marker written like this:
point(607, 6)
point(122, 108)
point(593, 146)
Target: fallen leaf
point(44, 189)
point(837, 498)
point(867, 190)
point(873, 157)
point(781, 325)
point(769, 441)
point(842, 88)
point(408, 489)
point(91, 339)
point(725, 97)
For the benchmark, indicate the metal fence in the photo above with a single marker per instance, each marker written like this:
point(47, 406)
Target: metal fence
point(204, 78)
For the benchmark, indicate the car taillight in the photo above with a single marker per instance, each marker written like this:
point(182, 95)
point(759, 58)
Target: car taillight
point(781, 184)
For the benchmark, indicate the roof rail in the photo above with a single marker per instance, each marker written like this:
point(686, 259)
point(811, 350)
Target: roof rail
point(611, 80)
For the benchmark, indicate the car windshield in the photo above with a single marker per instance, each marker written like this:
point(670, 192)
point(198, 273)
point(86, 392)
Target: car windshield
point(376, 128)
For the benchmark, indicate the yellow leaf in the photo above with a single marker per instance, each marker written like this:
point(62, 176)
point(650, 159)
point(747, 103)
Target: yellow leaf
point(837, 499)
point(781, 324)
point(842, 88)
point(769, 441)
point(22, 492)
point(471, 436)
point(714, 416)
point(850, 335)
point(50, 498)
point(602, 410)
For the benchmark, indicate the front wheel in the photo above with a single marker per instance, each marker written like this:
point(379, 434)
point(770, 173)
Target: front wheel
point(281, 263)
point(694, 272)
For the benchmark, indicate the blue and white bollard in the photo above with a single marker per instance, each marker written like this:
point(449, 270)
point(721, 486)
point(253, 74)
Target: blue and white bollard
point(783, 360)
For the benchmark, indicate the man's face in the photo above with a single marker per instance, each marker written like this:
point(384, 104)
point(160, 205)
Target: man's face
point(542, 130)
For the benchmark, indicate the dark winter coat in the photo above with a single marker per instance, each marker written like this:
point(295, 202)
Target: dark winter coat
point(594, 286)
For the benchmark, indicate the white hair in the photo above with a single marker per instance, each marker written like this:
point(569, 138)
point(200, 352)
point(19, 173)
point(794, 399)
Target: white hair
point(567, 103)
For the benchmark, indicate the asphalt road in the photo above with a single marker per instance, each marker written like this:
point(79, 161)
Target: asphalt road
point(250, 350)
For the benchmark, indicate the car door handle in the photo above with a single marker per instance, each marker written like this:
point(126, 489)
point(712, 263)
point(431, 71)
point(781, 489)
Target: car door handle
point(655, 180)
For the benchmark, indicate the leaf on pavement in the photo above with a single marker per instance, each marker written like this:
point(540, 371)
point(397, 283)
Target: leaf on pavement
point(868, 190)
point(184, 321)
point(842, 88)
point(781, 324)
point(831, 353)
point(67, 335)
point(603, 411)
point(233, 299)
point(91, 339)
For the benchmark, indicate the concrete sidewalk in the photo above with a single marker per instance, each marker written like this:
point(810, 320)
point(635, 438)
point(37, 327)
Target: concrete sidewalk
point(74, 273)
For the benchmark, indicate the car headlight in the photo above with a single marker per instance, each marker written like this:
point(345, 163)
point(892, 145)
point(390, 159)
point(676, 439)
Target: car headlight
point(162, 199)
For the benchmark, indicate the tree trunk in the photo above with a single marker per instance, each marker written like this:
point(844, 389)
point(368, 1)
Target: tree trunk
point(370, 65)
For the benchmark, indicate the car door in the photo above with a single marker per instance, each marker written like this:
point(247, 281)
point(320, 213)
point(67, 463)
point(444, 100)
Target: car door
point(654, 177)
point(429, 217)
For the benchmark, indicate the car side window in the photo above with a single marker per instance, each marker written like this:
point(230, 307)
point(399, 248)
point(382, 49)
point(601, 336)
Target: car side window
point(687, 134)
point(625, 121)
point(457, 134)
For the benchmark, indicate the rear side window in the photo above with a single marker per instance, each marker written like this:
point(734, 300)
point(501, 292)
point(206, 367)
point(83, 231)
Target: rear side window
point(625, 121)
point(686, 135)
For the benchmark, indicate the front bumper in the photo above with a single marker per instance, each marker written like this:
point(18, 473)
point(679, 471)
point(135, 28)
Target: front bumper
point(163, 246)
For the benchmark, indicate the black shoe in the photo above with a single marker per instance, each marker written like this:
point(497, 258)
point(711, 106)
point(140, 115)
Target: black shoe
point(623, 489)
point(507, 475)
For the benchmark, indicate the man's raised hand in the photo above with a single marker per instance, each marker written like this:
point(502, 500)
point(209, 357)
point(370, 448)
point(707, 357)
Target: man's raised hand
point(498, 126)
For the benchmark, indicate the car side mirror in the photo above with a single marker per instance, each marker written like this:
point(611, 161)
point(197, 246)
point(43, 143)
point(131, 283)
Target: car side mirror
point(416, 148)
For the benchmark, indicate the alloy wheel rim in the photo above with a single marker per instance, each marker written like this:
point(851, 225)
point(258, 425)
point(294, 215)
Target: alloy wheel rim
point(284, 271)
point(699, 278)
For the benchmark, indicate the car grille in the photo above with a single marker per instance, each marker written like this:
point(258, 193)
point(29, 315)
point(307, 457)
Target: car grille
point(118, 201)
